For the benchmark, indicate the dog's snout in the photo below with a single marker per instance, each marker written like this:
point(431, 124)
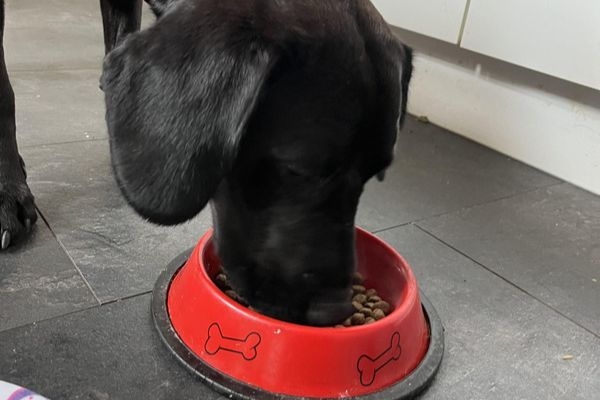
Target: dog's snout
point(330, 309)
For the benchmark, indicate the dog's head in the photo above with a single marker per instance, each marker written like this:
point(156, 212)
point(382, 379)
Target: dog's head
point(278, 112)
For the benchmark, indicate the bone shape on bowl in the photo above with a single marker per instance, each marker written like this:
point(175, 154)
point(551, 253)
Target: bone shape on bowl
point(216, 341)
point(368, 367)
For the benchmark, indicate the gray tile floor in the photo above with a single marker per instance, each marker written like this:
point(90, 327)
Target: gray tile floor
point(509, 256)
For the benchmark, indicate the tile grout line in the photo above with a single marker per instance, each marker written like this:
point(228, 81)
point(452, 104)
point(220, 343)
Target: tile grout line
point(62, 246)
point(82, 310)
point(37, 146)
point(597, 335)
point(17, 70)
point(456, 210)
point(391, 227)
point(2, 332)
point(125, 298)
point(492, 201)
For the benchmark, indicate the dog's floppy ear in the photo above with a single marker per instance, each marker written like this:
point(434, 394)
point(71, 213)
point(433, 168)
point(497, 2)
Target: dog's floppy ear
point(178, 97)
point(392, 67)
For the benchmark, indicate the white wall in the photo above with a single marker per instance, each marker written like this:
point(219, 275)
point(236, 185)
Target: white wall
point(557, 37)
point(440, 19)
point(546, 122)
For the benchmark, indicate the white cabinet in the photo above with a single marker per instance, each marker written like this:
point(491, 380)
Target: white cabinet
point(440, 19)
point(557, 37)
point(546, 122)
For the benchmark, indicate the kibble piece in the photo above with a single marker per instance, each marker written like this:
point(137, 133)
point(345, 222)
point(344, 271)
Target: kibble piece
point(360, 298)
point(378, 314)
point(232, 294)
point(357, 319)
point(222, 281)
point(369, 307)
point(235, 297)
point(359, 288)
point(367, 312)
point(383, 306)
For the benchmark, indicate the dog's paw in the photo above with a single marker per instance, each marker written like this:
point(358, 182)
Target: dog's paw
point(17, 208)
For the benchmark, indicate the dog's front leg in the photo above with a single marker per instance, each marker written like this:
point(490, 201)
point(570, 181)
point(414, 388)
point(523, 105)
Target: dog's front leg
point(17, 210)
point(119, 18)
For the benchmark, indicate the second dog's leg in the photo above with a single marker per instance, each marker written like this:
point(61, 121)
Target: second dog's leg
point(17, 210)
point(159, 7)
point(119, 18)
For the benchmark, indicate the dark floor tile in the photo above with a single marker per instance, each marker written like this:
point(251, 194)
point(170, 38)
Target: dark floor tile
point(546, 242)
point(109, 352)
point(496, 347)
point(436, 171)
point(58, 106)
point(38, 281)
point(500, 342)
point(118, 253)
point(53, 34)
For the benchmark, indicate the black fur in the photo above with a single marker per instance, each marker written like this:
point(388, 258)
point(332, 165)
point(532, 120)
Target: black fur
point(159, 7)
point(119, 19)
point(17, 208)
point(275, 111)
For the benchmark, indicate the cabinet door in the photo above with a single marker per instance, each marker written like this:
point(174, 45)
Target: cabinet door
point(556, 37)
point(441, 19)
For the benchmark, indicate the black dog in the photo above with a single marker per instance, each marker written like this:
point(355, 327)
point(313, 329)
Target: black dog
point(277, 112)
point(17, 209)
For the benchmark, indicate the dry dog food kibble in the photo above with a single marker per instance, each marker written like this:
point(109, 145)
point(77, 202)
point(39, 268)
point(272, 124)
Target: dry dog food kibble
point(368, 306)
point(222, 283)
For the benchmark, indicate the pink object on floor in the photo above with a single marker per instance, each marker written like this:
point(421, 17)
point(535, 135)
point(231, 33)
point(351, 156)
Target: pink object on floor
point(8, 391)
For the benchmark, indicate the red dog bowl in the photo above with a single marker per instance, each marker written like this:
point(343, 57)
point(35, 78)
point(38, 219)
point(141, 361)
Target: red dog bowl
point(247, 355)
